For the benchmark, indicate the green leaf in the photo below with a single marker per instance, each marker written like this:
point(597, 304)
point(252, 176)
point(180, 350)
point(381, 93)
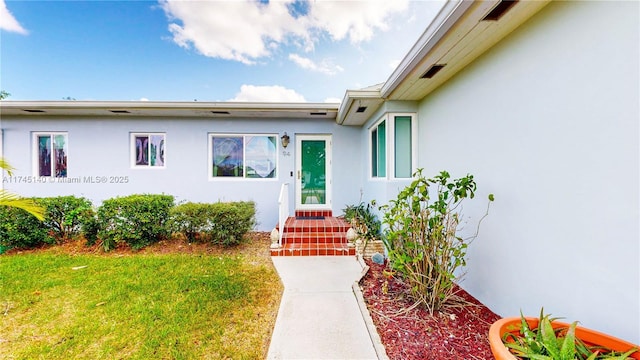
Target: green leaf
point(549, 340)
point(491, 197)
point(568, 349)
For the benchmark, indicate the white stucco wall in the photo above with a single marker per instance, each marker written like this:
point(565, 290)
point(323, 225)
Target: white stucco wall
point(548, 121)
point(101, 147)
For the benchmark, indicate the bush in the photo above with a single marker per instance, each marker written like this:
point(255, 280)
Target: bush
point(422, 235)
point(191, 219)
point(363, 220)
point(138, 220)
point(220, 223)
point(66, 217)
point(19, 229)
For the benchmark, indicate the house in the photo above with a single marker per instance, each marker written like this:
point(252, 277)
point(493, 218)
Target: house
point(540, 101)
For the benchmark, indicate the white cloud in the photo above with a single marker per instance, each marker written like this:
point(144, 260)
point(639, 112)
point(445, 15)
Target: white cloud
point(273, 93)
point(8, 22)
point(325, 66)
point(356, 20)
point(246, 30)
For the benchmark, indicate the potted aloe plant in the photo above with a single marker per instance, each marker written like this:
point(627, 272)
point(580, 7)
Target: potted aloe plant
point(545, 338)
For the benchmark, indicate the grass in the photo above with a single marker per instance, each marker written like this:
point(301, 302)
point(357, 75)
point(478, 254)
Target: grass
point(196, 305)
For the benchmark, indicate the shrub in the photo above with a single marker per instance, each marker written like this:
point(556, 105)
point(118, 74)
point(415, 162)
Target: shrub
point(231, 221)
point(364, 221)
point(220, 223)
point(422, 235)
point(191, 219)
point(19, 229)
point(137, 220)
point(66, 216)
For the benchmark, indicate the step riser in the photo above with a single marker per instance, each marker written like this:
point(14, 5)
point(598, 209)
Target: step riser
point(313, 213)
point(314, 252)
point(318, 239)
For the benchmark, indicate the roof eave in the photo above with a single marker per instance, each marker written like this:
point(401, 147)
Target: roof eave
point(450, 13)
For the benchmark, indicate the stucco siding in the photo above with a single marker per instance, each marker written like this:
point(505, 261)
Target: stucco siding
point(100, 148)
point(548, 121)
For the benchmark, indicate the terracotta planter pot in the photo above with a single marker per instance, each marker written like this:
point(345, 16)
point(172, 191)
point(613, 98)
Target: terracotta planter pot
point(590, 337)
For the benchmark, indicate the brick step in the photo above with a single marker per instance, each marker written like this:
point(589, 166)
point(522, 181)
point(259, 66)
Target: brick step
point(314, 250)
point(314, 237)
point(328, 224)
point(314, 213)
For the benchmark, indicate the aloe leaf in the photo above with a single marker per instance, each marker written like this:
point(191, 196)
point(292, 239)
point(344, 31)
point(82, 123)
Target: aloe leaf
point(623, 356)
point(549, 340)
point(529, 336)
point(568, 349)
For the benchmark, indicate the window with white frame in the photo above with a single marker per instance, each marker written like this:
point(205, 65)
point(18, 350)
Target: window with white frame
point(402, 146)
point(50, 153)
point(393, 136)
point(242, 156)
point(148, 150)
point(379, 149)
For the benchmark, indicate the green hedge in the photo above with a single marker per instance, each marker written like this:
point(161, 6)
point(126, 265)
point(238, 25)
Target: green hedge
point(67, 217)
point(138, 220)
point(220, 223)
point(19, 229)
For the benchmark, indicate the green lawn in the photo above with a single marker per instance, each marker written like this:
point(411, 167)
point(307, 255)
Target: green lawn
point(136, 306)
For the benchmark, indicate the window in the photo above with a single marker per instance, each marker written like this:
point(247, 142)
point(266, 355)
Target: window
point(398, 130)
point(242, 156)
point(402, 147)
point(51, 154)
point(148, 150)
point(379, 150)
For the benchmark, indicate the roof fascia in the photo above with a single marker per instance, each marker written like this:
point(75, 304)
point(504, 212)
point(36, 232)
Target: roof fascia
point(141, 105)
point(349, 97)
point(450, 13)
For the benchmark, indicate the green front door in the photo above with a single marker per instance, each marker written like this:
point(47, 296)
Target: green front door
point(313, 185)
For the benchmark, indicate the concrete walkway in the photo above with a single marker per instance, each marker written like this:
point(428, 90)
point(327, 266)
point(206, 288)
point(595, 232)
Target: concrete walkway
point(319, 315)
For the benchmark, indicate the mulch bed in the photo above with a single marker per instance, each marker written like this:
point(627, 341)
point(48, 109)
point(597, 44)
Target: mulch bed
point(458, 333)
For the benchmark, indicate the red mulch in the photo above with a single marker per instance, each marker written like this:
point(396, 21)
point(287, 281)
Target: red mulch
point(461, 333)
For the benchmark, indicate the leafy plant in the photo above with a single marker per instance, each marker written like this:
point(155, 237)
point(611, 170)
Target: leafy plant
point(13, 200)
point(364, 221)
point(66, 216)
point(19, 229)
point(219, 223)
point(560, 343)
point(138, 220)
point(231, 221)
point(422, 235)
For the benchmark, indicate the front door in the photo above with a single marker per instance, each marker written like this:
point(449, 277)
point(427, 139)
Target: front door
point(313, 172)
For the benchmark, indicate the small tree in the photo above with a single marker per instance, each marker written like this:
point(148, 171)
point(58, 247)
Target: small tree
point(422, 235)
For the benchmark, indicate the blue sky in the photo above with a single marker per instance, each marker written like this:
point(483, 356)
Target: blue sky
point(287, 51)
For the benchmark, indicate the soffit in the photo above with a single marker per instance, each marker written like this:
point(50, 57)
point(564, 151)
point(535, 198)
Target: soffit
point(463, 41)
point(116, 109)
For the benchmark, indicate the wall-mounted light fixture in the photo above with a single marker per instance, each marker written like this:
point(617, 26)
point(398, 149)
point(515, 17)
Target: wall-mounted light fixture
point(285, 140)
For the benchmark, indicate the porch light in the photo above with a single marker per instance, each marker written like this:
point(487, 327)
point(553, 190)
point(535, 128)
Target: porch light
point(285, 140)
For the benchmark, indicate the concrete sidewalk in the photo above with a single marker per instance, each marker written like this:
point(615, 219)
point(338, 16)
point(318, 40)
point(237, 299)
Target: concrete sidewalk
point(319, 315)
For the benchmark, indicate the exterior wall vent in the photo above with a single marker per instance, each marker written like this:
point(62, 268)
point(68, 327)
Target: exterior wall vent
point(496, 13)
point(218, 112)
point(33, 110)
point(120, 111)
point(318, 113)
point(433, 70)
point(361, 109)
